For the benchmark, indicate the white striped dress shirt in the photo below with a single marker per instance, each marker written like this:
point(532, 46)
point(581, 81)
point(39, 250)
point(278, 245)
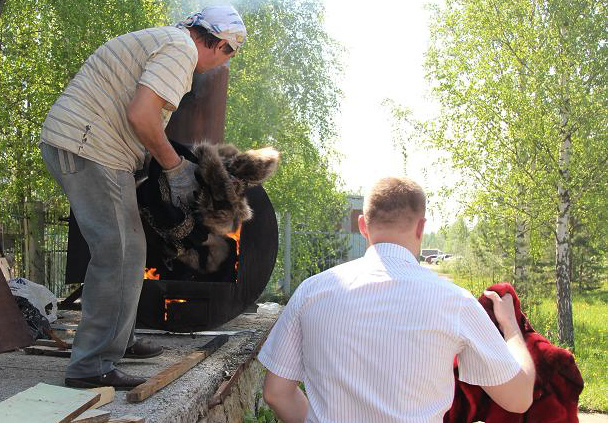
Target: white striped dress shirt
point(374, 340)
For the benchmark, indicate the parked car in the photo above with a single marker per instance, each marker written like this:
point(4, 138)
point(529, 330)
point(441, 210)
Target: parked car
point(429, 259)
point(436, 259)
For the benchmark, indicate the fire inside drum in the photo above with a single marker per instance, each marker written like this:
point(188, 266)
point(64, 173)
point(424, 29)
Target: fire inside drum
point(186, 305)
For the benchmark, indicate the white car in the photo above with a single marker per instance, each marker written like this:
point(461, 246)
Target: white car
point(441, 257)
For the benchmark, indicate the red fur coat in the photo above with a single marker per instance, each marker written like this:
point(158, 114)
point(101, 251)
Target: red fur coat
point(556, 389)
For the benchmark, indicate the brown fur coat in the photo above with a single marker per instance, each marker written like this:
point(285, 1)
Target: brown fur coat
point(193, 238)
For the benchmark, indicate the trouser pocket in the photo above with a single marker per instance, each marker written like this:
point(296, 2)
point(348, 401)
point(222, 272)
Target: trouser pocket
point(69, 162)
point(61, 161)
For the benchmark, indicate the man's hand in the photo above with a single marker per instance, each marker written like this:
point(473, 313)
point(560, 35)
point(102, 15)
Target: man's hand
point(181, 182)
point(504, 310)
point(516, 394)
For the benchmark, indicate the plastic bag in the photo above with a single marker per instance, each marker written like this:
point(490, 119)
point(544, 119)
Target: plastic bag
point(38, 325)
point(38, 295)
point(269, 308)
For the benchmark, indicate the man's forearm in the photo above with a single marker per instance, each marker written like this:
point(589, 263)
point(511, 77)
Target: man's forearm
point(291, 408)
point(149, 131)
point(517, 346)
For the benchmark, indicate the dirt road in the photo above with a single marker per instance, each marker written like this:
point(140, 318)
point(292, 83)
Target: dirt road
point(592, 418)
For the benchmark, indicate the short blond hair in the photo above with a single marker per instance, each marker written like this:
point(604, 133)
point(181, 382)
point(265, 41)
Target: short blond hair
point(394, 201)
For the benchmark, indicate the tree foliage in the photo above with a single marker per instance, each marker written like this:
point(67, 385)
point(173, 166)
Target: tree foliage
point(281, 93)
point(522, 88)
point(43, 43)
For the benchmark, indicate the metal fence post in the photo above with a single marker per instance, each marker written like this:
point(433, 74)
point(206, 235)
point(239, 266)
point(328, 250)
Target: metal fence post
point(286, 285)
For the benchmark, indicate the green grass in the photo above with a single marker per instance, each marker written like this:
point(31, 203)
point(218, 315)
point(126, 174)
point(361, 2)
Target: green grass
point(590, 313)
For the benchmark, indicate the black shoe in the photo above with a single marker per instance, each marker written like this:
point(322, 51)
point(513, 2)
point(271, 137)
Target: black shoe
point(119, 380)
point(143, 349)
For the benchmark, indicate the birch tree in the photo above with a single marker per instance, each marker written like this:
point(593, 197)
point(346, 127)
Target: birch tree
point(522, 85)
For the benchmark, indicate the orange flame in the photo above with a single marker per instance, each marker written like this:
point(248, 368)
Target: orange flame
point(236, 235)
point(169, 301)
point(151, 274)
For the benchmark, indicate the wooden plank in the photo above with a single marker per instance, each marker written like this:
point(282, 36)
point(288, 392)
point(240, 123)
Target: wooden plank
point(69, 327)
point(58, 341)
point(50, 351)
point(4, 268)
point(70, 302)
point(14, 332)
point(46, 403)
point(93, 416)
point(158, 382)
point(52, 343)
point(128, 419)
point(107, 395)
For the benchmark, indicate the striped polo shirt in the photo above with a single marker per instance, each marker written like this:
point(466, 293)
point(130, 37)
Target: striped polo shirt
point(89, 118)
point(374, 340)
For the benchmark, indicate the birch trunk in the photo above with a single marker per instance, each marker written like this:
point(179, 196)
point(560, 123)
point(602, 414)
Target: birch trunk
point(522, 232)
point(562, 256)
point(522, 252)
point(562, 250)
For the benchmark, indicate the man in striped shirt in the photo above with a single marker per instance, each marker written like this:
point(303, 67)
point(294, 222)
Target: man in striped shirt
point(94, 138)
point(374, 340)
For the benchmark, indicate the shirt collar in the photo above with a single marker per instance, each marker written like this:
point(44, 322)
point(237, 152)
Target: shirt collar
point(386, 249)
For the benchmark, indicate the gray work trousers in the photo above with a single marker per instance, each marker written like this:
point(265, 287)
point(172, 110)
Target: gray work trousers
point(105, 205)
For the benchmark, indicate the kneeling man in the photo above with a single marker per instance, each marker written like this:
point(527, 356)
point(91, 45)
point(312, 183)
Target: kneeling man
point(374, 340)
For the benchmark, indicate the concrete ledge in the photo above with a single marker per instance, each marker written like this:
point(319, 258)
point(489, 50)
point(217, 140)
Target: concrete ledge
point(184, 401)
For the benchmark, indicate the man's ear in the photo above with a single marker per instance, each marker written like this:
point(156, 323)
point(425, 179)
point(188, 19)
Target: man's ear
point(221, 45)
point(363, 227)
point(420, 228)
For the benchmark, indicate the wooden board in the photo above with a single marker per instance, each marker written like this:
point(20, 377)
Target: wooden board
point(14, 332)
point(52, 351)
point(4, 269)
point(158, 382)
point(107, 395)
point(93, 416)
point(46, 403)
point(51, 343)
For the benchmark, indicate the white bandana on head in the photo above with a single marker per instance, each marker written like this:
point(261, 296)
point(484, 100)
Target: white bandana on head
point(222, 21)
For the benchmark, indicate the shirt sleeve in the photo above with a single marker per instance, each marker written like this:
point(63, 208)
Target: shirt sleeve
point(282, 351)
point(485, 359)
point(168, 71)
